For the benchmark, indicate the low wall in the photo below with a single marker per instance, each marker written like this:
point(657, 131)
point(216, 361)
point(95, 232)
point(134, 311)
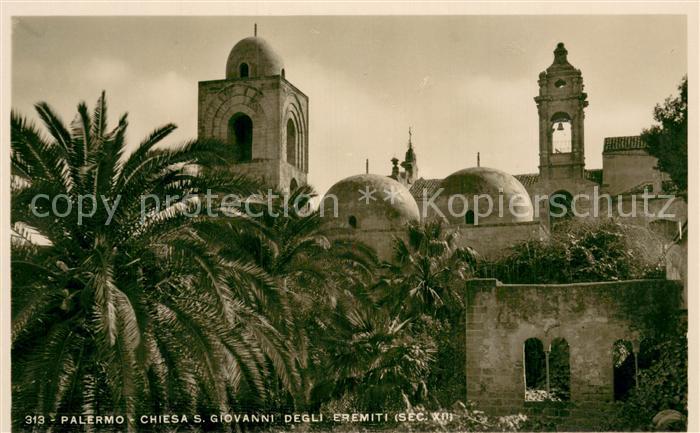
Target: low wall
point(494, 240)
point(489, 240)
point(590, 316)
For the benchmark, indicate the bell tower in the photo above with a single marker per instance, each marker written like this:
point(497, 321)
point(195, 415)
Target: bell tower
point(260, 114)
point(560, 105)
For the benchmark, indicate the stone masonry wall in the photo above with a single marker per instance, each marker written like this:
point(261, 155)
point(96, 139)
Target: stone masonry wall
point(488, 240)
point(590, 316)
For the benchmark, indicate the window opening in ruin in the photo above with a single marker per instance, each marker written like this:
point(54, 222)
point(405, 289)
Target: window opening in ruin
point(559, 371)
point(547, 370)
point(624, 369)
point(535, 370)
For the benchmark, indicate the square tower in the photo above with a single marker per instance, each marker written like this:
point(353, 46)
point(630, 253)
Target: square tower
point(260, 114)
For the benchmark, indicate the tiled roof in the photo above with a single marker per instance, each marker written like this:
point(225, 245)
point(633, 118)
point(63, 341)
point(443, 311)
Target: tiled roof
point(616, 144)
point(528, 179)
point(431, 185)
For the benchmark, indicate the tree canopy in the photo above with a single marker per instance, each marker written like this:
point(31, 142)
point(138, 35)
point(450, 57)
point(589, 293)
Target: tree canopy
point(668, 140)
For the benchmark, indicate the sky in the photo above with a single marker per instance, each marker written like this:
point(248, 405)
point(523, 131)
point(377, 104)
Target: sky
point(465, 84)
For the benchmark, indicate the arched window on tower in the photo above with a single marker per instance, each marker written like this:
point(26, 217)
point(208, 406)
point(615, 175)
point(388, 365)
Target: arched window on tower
point(240, 136)
point(561, 133)
point(293, 185)
point(292, 143)
point(352, 220)
point(283, 73)
point(243, 70)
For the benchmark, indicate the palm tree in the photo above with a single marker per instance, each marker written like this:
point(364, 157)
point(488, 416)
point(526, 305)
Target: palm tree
point(131, 308)
point(373, 359)
point(428, 272)
point(311, 274)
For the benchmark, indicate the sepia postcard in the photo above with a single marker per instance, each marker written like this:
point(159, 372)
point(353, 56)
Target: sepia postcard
point(336, 217)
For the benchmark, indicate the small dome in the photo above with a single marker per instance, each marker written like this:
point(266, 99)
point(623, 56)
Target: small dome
point(475, 181)
point(253, 57)
point(391, 205)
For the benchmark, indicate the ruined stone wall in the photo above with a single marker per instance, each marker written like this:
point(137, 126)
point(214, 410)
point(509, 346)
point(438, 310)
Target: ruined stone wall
point(590, 316)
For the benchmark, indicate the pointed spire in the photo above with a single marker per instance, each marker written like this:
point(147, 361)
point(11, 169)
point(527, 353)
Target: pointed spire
point(410, 136)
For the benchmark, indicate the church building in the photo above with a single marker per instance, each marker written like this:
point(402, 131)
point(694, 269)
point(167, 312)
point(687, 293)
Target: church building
point(265, 119)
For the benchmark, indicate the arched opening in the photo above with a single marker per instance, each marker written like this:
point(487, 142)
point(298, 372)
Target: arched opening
point(624, 369)
point(352, 221)
point(559, 370)
point(469, 217)
point(560, 208)
point(561, 133)
point(291, 143)
point(283, 73)
point(293, 185)
point(243, 70)
point(240, 136)
point(534, 361)
point(561, 137)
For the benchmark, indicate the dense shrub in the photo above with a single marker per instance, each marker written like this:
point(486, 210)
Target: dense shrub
point(579, 252)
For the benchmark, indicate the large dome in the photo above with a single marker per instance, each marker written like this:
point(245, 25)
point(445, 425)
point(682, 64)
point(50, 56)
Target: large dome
point(389, 206)
point(471, 183)
point(253, 57)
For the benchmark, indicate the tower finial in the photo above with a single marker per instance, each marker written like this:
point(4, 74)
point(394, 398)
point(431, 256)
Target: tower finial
point(560, 53)
point(478, 159)
point(255, 30)
point(410, 136)
point(367, 166)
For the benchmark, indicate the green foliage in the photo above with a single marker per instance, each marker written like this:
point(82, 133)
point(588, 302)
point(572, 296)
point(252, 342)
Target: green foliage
point(425, 285)
point(375, 361)
point(428, 272)
point(137, 312)
point(578, 252)
point(664, 383)
point(161, 312)
point(392, 345)
point(668, 140)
